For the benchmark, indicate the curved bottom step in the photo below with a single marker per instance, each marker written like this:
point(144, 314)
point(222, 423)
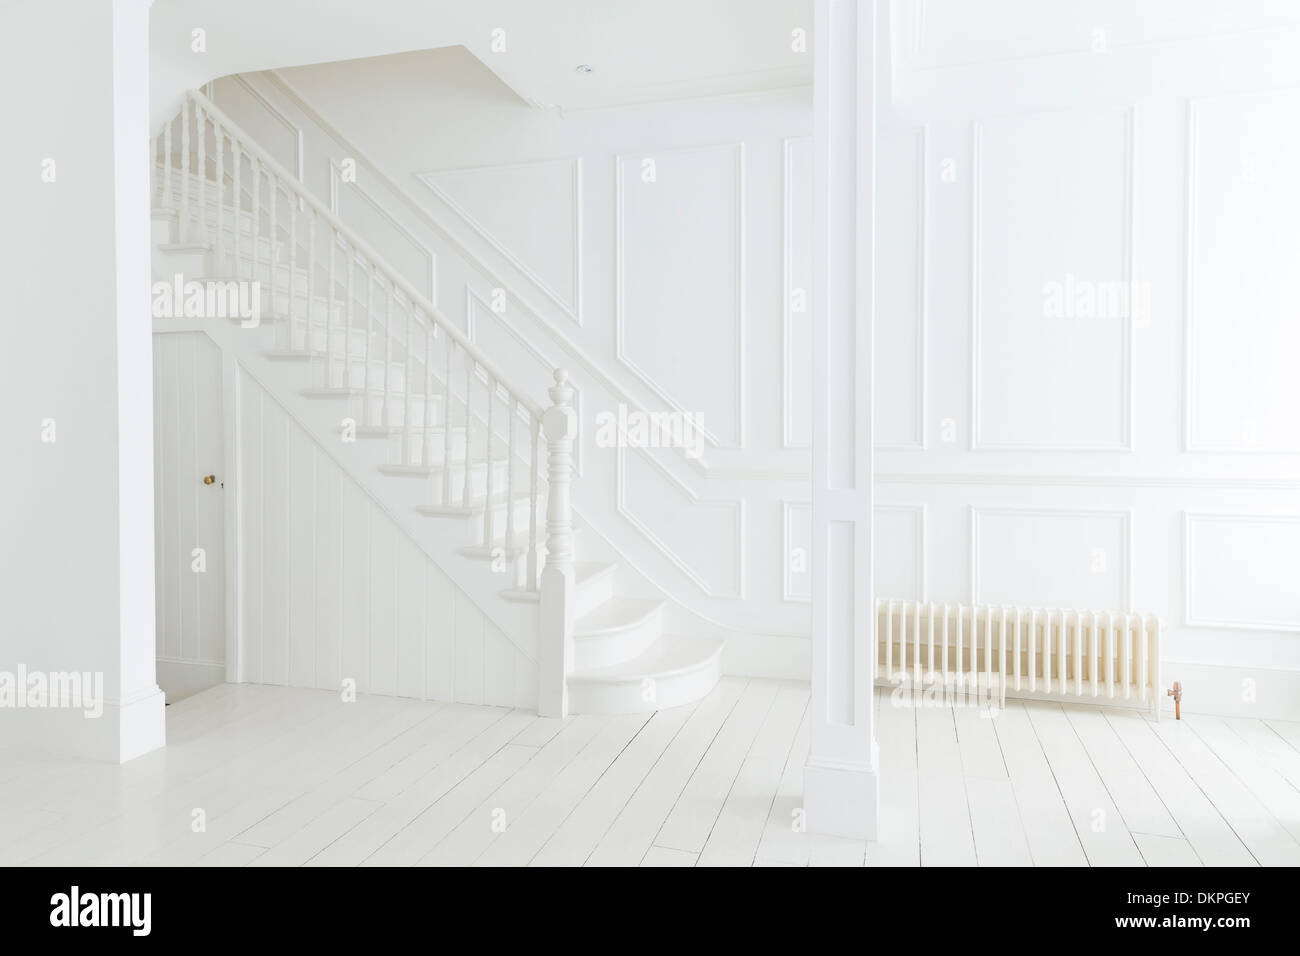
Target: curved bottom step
point(674, 670)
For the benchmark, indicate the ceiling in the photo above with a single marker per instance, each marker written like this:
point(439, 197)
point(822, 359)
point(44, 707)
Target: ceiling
point(638, 51)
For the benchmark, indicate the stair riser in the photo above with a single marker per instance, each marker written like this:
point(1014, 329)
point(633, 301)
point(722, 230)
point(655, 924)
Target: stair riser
point(593, 594)
point(335, 373)
point(614, 648)
point(587, 697)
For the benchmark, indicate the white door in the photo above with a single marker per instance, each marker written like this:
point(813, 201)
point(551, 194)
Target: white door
point(189, 513)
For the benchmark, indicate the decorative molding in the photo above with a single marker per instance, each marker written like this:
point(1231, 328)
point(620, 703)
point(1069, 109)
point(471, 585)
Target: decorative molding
point(1190, 619)
point(1088, 481)
point(1189, 288)
point(597, 371)
point(738, 150)
point(1127, 414)
point(473, 303)
point(336, 182)
point(922, 587)
point(276, 113)
point(1125, 516)
point(571, 309)
point(788, 508)
point(919, 443)
point(787, 284)
point(736, 505)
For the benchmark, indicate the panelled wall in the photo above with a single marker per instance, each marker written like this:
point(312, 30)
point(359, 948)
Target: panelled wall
point(333, 590)
point(1084, 342)
point(1096, 331)
point(649, 250)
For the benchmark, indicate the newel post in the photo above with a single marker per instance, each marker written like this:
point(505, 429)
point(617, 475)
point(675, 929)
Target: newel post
point(555, 631)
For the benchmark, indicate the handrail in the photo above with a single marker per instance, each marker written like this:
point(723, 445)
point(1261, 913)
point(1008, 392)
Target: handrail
point(290, 182)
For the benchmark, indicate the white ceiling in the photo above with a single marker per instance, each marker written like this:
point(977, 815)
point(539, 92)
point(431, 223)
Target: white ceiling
point(639, 50)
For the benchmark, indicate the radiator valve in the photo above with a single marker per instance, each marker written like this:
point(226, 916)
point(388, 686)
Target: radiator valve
point(1177, 695)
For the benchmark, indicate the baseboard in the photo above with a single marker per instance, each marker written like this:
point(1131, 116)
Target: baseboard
point(771, 656)
point(181, 679)
point(122, 731)
point(1260, 692)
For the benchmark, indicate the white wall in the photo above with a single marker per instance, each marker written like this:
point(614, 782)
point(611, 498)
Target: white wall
point(76, 552)
point(663, 296)
point(1147, 461)
point(1144, 461)
point(334, 590)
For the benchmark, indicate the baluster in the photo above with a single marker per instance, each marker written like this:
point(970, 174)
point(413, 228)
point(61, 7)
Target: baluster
point(168, 199)
point(255, 173)
point(370, 334)
point(293, 268)
point(450, 349)
point(185, 178)
point(351, 253)
point(469, 388)
point(534, 468)
point(273, 187)
point(408, 371)
point(219, 135)
point(311, 283)
point(426, 424)
point(237, 161)
point(331, 241)
point(512, 422)
point(489, 529)
point(555, 613)
point(201, 126)
point(385, 414)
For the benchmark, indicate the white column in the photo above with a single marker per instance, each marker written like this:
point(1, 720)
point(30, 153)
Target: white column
point(840, 779)
point(76, 501)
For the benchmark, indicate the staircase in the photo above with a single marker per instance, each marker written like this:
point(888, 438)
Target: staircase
point(449, 444)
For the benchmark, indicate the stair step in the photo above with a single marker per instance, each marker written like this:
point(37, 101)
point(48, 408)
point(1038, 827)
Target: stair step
point(594, 581)
point(675, 670)
point(616, 631)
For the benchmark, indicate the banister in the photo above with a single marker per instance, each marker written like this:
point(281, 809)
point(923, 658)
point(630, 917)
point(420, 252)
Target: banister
point(290, 182)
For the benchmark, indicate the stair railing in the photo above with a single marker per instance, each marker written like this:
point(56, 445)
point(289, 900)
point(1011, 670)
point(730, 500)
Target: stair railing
point(414, 337)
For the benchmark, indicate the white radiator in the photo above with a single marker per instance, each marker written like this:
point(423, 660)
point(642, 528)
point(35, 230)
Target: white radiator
point(1059, 653)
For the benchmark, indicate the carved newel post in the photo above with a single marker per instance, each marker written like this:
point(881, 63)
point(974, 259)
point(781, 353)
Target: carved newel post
point(555, 631)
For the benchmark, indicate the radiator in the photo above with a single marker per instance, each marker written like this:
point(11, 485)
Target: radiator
point(1057, 653)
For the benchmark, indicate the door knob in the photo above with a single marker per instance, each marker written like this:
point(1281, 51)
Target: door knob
point(209, 479)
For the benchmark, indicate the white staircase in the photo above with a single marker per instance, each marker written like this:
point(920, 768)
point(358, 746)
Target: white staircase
point(448, 444)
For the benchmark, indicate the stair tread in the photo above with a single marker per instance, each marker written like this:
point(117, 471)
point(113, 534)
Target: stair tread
point(671, 654)
point(586, 571)
point(615, 614)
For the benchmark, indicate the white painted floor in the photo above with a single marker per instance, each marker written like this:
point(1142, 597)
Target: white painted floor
point(292, 777)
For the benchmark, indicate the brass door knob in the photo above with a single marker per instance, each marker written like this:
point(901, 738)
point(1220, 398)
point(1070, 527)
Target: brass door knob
point(209, 479)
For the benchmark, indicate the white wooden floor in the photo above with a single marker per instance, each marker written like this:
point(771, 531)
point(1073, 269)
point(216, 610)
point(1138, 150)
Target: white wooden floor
point(291, 777)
